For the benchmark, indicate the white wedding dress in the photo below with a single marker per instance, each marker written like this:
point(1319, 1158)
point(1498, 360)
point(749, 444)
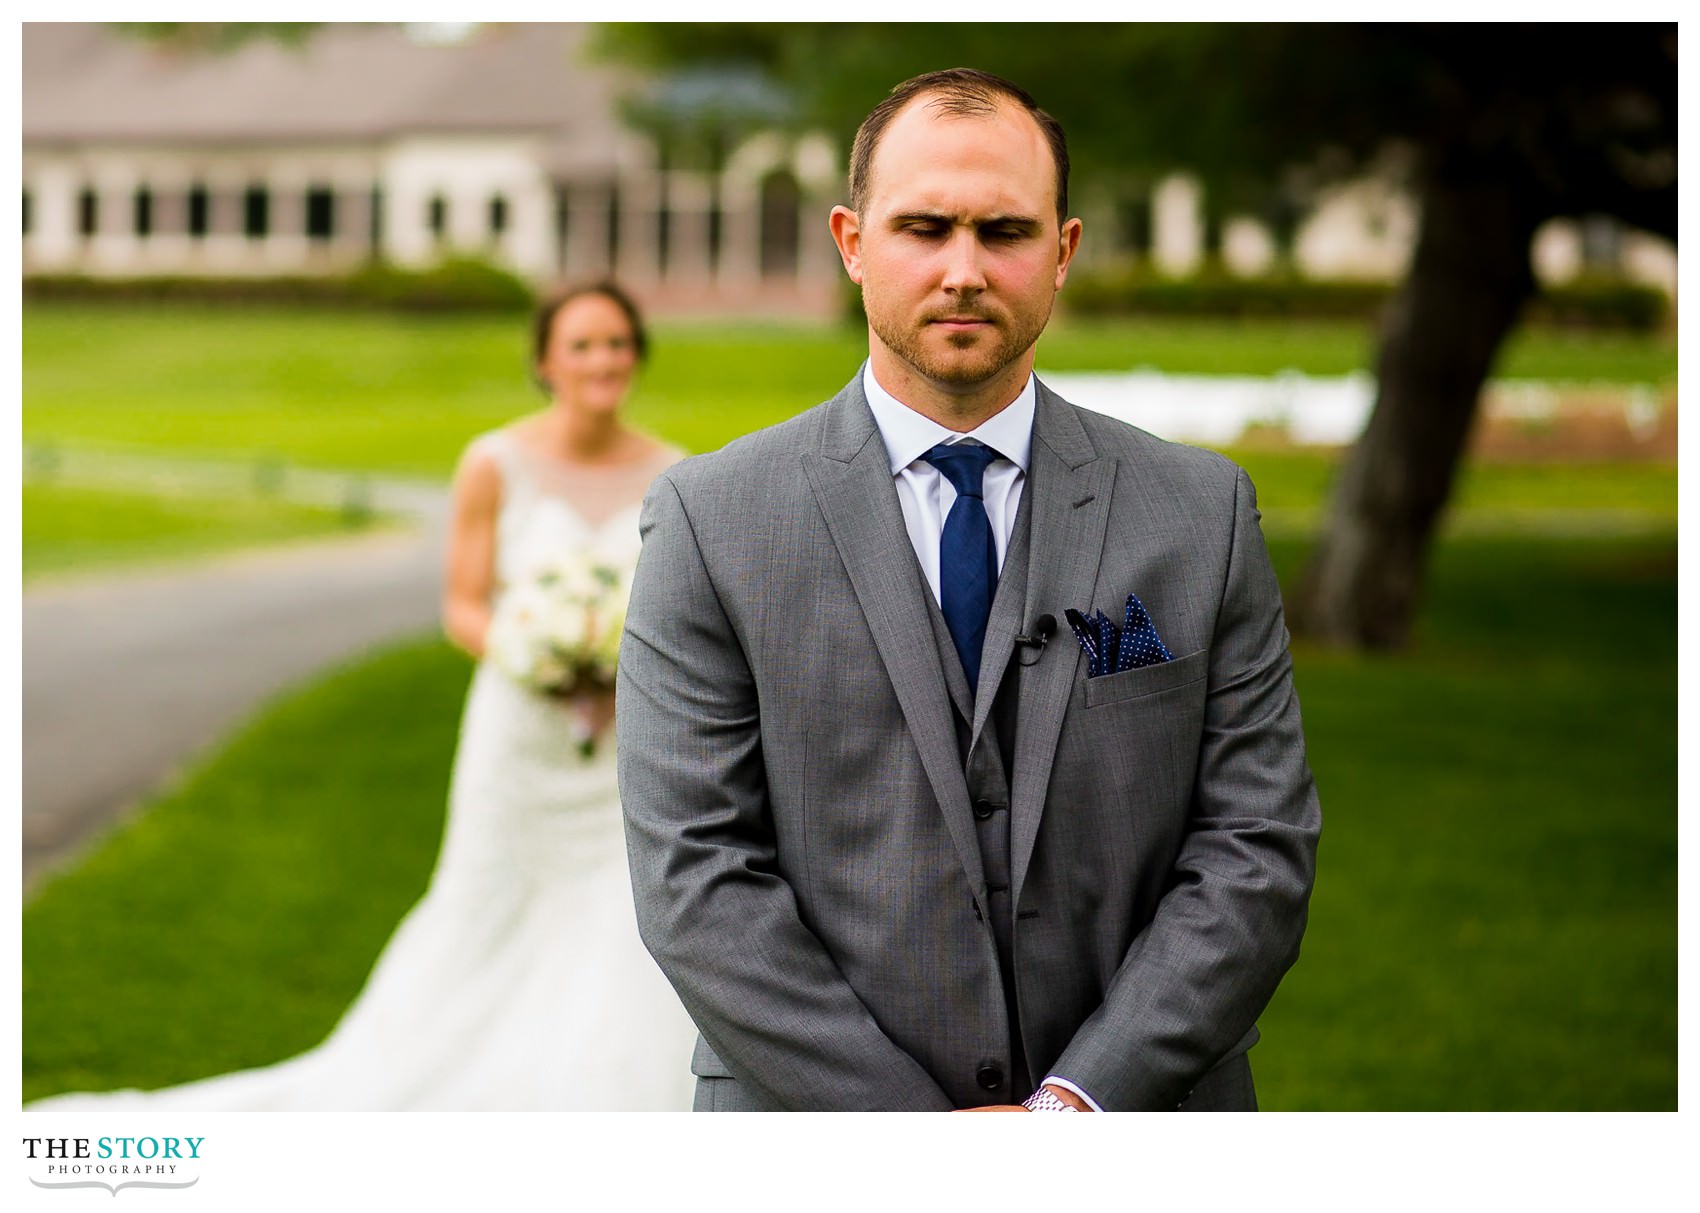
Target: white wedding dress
point(518, 982)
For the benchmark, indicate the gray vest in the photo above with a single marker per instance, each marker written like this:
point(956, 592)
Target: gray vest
point(986, 764)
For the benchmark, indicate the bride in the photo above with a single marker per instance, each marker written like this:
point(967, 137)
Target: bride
point(518, 982)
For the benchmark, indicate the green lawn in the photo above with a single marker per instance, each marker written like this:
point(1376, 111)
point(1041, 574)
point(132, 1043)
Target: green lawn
point(277, 385)
point(403, 394)
point(229, 923)
point(69, 527)
point(1494, 924)
point(1293, 485)
point(73, 528)
point(1262, 347)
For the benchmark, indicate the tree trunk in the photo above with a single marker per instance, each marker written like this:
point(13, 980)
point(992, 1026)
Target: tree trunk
point(1469, 277)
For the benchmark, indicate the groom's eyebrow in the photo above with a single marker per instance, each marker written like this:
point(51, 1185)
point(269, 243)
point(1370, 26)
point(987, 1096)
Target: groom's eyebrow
point(1023, 223)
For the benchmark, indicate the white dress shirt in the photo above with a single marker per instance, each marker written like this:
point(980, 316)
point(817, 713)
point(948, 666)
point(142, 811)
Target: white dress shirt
point(926, 496)
point(922, 490)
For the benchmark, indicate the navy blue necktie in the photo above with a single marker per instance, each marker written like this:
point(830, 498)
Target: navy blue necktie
point(968, 556)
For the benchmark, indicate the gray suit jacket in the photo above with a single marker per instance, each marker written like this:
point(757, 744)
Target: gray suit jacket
point(801, 836)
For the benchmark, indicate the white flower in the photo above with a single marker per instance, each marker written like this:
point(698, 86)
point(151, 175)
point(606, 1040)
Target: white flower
point(558, 627)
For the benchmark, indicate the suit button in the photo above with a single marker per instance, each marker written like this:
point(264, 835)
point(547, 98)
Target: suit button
point(984, 809)
point(990, 1078)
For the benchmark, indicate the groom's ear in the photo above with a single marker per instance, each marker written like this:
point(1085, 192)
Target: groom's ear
point(1068, 241)
point(847, 235)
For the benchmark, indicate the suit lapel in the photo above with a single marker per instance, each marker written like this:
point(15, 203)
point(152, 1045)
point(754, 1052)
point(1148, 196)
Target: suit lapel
point(1069, 486)
point(851, 477)
point(955, 681)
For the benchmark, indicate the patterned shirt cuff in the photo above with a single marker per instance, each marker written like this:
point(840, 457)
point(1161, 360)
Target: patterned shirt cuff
point(1065, 1084)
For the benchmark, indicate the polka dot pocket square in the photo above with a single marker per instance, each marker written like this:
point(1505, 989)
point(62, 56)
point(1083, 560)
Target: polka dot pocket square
point(1109, 649)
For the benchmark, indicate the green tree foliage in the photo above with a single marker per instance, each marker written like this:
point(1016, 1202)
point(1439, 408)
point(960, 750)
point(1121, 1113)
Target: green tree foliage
point(1587, 113)
point(1495, 129)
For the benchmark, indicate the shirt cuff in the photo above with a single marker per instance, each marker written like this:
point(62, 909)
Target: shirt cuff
point(1053, 1081)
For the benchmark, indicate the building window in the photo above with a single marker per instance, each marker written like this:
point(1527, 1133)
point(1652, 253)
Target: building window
point(663, 231)
point(437, 217)
point(26, 212)
point(200, 211)
point(376, 231)
point(1602, 242)
point(780, 198)
point(142, 212)
point(256, 212)
point(716, 228)
point(498, 215)
point(88, 212)
point(1281, 214)
point(563, 217)
point(613, 228)
point(1133, 223)
point(1210, 237)
point(321, 213)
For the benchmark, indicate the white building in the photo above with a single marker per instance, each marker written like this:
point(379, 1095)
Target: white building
point(367, 140)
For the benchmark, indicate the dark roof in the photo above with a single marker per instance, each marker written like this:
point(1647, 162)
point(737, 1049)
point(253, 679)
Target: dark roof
point(88, 82)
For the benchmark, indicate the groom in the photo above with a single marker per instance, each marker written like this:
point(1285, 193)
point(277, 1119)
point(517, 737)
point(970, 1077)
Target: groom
point(896, 838)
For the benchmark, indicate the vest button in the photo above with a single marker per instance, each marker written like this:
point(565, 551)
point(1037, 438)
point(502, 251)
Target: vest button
point(983, 809)
point(990, 1078)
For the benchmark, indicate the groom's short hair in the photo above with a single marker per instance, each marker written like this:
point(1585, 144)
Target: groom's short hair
point(957, 92)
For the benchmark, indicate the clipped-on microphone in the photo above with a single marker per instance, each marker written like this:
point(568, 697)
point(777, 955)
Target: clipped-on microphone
point(1044, 628)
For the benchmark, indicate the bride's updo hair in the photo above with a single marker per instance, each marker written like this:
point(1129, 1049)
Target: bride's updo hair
point(543, 321)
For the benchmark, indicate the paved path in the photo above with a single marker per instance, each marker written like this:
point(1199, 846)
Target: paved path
point(126, 677)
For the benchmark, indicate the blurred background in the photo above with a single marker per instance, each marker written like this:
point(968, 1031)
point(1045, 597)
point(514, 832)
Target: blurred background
point(1419, 280)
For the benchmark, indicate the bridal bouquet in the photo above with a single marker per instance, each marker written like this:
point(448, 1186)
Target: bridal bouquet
point(557, 630)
